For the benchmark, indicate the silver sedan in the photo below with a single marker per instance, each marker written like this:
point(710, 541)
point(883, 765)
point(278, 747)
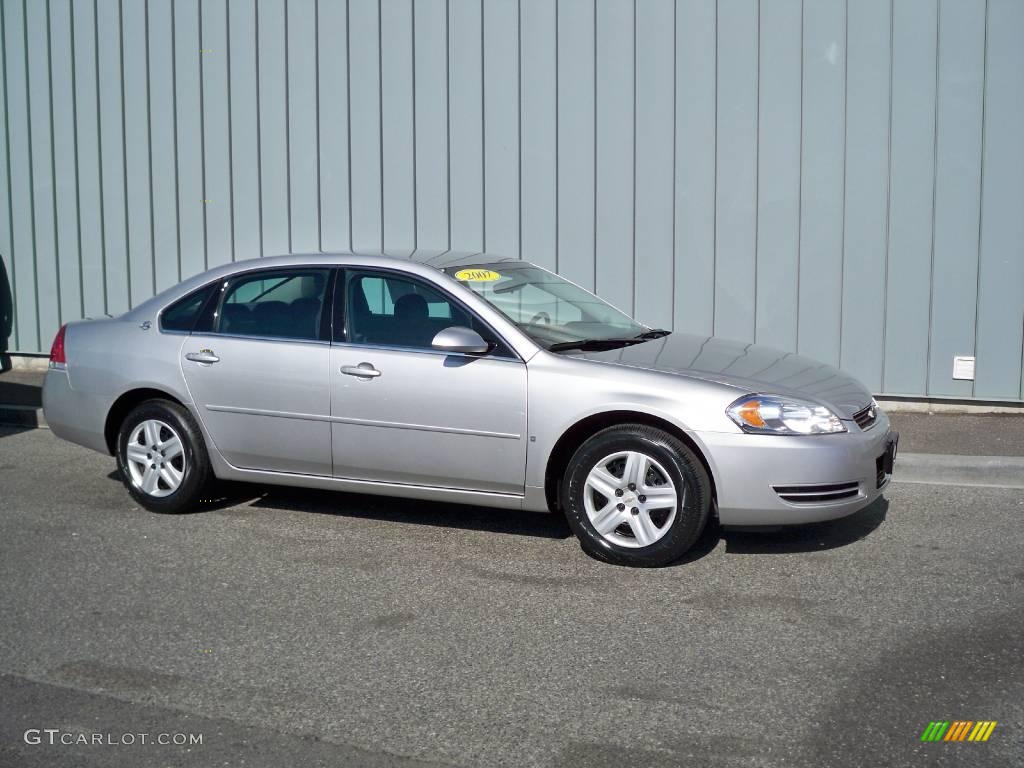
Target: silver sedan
point(465, 378)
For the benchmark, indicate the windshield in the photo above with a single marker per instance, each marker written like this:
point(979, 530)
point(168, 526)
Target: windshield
point(549, 309)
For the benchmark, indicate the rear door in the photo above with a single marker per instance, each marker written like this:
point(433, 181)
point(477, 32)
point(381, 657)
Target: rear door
point(420, 416)
point(259, 373)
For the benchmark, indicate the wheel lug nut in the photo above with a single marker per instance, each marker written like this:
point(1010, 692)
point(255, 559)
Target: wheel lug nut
point(621, 507)
point(632, 486)
point(642, 499)
point(635, 511)
point(618, 491)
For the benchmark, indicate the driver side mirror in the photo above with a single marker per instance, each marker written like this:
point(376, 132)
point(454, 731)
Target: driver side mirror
point(458, 338)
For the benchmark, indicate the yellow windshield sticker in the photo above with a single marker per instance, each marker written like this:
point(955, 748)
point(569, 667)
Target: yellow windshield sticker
point(477, 275)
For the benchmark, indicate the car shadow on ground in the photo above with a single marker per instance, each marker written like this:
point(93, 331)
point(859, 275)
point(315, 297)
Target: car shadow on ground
point(225, 496)
point(813, 537)
point(432, 513)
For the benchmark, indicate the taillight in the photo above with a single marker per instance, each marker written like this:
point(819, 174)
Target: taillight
point(57, 349)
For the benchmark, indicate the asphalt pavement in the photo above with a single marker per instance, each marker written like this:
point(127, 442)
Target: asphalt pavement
point(299, 628)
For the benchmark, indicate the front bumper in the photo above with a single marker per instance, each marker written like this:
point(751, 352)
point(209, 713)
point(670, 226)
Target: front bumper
point(749, 470)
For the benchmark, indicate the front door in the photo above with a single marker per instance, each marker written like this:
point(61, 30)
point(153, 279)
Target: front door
point(260, 375)
point(405, 413)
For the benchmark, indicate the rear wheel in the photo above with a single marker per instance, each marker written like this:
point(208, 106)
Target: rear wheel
point(162, 457)
point(636, 495)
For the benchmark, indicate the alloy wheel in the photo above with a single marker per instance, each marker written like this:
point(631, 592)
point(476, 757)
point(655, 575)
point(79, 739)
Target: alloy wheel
point(630, 499)
point(155, 458)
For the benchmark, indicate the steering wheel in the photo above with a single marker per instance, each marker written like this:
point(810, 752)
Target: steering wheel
point(542, 315)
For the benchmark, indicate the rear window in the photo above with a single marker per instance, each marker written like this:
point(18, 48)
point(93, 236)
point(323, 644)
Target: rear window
point(182, 315)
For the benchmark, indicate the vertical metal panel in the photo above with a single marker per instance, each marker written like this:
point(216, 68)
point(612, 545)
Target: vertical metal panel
point(90, 192)
point(614, 131)
point(22, 277)
point(821, 199)
point(912, 168)
point(576, 89)
point(216, 132)
point(303, 177)
point(539, 127)
point(188, 109)
point(273, 126)
point(41, 158)
point(8, 312)
point(778, 174)
point(654, 172)
point(112, 154)
point(65, 175)
point(335, 222)
point(136, 141)
point(695, 149)
point(465, 117)
point(432, 107)
point(163, 148)
point(841, 177)
point(957, 191)
point(501, 126)
point(397, 126)
point(867, 187)
point(364, 98)
point(1001, 261)
point(736, 183)
point(244, 114)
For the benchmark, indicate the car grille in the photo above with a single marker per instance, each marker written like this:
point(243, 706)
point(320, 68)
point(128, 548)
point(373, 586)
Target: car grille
point(866, 417)
point(817, 493)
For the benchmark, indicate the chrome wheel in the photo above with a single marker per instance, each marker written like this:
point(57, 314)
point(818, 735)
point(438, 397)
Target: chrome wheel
point(630, 499)
point(155, 458)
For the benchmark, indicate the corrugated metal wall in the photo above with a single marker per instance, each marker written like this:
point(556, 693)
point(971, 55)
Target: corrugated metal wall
point(845, 179)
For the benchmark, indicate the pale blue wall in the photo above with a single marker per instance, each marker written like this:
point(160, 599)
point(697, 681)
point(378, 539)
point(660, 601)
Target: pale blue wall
point(845, 179)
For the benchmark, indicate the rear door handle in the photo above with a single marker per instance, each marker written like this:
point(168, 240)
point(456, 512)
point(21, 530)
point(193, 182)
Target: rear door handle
point(363, 371)
point(203, 356)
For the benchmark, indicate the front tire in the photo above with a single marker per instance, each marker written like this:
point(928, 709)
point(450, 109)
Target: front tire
point(636, 495)
point(162, 457)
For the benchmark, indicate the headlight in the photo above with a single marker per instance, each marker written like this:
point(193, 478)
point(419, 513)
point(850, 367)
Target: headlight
point(774, 415)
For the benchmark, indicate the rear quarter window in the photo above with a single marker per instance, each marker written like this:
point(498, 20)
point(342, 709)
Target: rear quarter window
point(181, 316)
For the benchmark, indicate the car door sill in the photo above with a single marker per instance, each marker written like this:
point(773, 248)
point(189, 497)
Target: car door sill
point(376, 487)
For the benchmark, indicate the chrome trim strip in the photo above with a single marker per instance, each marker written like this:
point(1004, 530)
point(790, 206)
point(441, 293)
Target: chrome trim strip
point(327, 480)
point(360, 422)
point(245, 337)
point(426, 351)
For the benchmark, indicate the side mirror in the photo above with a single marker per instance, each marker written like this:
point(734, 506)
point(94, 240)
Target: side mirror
point(458, 338)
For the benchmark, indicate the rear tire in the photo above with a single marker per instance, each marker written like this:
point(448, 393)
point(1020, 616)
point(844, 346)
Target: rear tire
point(636, 495)
point(162, 457)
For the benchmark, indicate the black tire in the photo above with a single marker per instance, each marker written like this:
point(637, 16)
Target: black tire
point(197, 473)
point(682, 467)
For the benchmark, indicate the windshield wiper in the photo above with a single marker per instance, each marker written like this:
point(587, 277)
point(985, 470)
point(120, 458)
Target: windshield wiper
point(654, 333)
point(597, 345)
point(594, 345)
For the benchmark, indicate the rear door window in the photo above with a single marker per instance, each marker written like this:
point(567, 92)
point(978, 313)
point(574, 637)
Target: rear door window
point(285, 304)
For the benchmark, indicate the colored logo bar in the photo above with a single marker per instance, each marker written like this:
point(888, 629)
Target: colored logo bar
point(958, 730)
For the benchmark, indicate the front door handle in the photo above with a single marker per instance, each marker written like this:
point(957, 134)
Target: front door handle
point(362, 371)
point(202, 356)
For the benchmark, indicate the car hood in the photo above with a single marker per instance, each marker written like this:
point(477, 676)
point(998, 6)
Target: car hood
point(750, 367)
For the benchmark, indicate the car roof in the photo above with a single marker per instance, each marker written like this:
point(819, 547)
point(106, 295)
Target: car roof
point(437, 259)
point(419, 260)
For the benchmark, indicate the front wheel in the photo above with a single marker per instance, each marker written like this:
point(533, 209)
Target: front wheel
point(162, 457)
point(636, 495)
